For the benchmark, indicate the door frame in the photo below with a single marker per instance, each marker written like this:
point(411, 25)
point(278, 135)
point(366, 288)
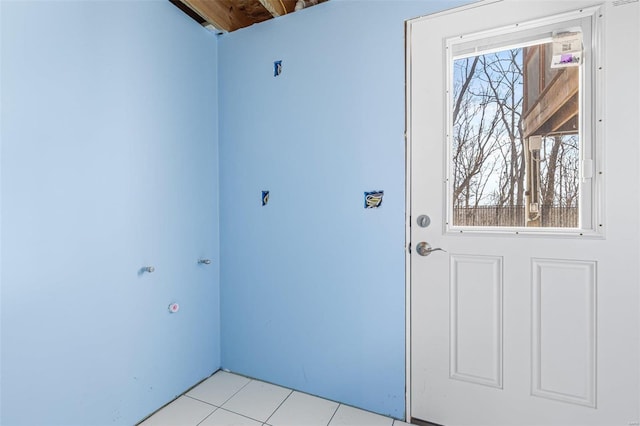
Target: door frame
point(408, 189)
point(408, 170)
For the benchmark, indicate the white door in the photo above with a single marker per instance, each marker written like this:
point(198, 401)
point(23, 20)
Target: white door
point(519, 325)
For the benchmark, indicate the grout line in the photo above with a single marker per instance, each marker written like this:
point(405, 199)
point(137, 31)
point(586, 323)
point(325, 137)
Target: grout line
point(217, 408)
point(245, 385)
point(242, 415)
point(311, 394)
point(200, 400)
point(225, 401)
point(278, 407)
point(266, 422)
point(201, 382)
point(262, 422)
point(334, 414)
point(176, 398)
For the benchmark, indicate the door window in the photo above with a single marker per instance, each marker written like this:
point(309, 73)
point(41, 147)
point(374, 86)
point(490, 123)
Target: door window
point(520, 142)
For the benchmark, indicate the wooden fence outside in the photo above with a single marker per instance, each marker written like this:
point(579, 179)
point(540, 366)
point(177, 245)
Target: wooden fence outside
point(551, 216)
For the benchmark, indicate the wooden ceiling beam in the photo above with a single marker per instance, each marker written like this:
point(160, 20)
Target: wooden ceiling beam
point(231, 15)
point(190, 12)
point(275, 7)
point(222, 14)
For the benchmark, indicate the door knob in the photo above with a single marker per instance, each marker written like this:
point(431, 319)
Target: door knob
point(424, 249)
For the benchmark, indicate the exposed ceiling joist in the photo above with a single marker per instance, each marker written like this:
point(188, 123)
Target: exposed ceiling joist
point(222, 14)
point(231, 15)
point(275, 7)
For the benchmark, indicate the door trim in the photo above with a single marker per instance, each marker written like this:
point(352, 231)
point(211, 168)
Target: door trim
point(408, 142)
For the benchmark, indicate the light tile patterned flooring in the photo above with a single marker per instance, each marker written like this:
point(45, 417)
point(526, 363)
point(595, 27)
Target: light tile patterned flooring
point(227, 399)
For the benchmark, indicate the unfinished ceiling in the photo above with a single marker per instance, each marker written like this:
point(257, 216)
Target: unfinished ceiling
point(231, 15)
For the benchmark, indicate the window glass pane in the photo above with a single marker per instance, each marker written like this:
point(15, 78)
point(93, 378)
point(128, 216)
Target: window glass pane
point(515, 143)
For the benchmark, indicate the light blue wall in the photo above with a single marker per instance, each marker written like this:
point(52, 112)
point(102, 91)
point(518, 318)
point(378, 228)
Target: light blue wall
point(109, 163)
point(313, 284)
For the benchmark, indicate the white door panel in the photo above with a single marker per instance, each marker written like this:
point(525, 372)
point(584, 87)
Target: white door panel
point(512, 329)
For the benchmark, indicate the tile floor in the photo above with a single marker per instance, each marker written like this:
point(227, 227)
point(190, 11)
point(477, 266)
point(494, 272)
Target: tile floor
point(227, 399)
